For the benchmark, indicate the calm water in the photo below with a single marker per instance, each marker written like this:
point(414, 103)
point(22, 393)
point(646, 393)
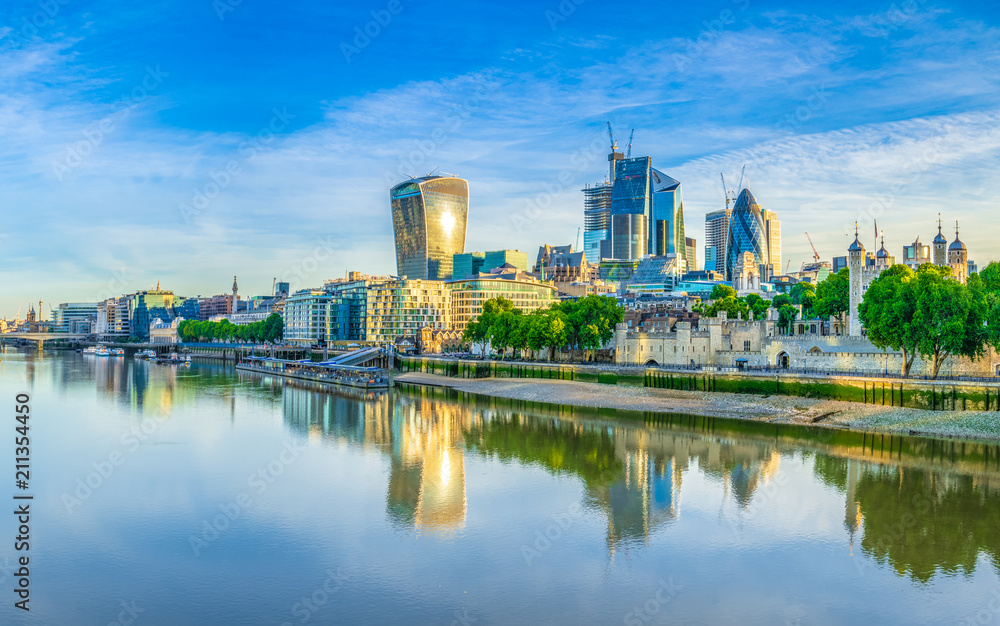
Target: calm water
point(422, 507)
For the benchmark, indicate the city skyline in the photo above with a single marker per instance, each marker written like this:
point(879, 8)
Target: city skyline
point(841, 114)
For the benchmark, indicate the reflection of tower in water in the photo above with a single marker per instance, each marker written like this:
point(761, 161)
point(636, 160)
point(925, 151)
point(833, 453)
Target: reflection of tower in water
point(427, 470)
point(645, 497)
point(426, 486)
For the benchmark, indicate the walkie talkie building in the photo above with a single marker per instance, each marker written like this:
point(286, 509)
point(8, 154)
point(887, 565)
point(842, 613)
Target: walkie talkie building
point(429, 219)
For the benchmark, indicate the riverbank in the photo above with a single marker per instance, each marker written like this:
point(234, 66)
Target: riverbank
point(778, 409)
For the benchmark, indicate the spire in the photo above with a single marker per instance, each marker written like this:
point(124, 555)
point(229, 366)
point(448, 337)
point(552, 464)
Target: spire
point(157, 285)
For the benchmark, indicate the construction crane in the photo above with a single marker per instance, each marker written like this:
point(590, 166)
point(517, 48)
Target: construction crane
point(815, 254)
point(611, 136)
point(742, 173)
point(786, 266)
point(724, 190)
point(629, 155)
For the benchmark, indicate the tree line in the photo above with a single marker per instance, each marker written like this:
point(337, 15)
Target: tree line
point(829, 299)
point(584, 324)
point(930, 314)
point(271, 329)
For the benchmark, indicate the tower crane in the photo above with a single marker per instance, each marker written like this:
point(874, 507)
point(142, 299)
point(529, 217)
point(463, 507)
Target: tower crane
point(611, 136)
point(815, 254)
point(629, 154)
point(742, 173)
point(724, 190)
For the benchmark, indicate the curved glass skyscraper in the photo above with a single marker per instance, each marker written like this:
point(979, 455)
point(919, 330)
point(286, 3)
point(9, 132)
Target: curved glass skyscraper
point(746, 233)
point(429, 218)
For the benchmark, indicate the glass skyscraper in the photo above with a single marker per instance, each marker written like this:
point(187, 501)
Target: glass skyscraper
point(654, 201)
point(596, 219)
point(666, 235)
point(429, 218)
point(716, 233)
point(747, 233)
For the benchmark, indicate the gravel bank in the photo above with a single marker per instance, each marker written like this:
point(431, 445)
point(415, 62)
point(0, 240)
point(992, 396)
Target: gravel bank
point(777, 409)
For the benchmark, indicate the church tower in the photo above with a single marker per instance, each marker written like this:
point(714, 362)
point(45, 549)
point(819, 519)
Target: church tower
point(958, 258)
point(940, 245)
point(856, 266)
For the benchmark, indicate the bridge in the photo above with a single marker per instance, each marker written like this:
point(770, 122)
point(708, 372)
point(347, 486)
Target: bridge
point(43, 337)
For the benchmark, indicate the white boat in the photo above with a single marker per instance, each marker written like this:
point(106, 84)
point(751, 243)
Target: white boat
point(118, 352)
point(91, 350)
point(102, 351)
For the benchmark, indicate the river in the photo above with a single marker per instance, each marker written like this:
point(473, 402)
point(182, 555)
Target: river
point(202, 495)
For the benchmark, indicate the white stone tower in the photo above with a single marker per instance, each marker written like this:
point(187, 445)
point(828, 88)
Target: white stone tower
point(940, 245)
point(856, 266)
point(958, 258)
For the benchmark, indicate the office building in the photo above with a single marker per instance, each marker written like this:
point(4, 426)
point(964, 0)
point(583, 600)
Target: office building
point(75, 318)
point(716, 233)
point(561, 266)
point(691, 247)
point(305, 316)
point(429, 218)
point(467, 264)
point(400, 308)
point(666, 223)
point(215, 306)
point(114, 317)
point(772, 235)
point(525, 291)
point(596, 218)
point(747, 233)
point(647, 212)
point(499, 258)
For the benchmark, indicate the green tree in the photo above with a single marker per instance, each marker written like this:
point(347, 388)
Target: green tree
point(833, 296)
point(808, 302)
point(786, 317)
point(887, 311)
point(800, 289)
point(781, 300)
point(721, 291)
point(950, 317)
point(990, 281)
point(735, 308)
point(591, 320)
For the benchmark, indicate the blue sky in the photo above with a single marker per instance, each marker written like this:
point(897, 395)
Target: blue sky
point(119, 121)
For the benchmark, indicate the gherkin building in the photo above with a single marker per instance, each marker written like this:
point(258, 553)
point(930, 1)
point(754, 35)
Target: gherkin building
point(746, 232)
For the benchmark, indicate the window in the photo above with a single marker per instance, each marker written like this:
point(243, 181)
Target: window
point(746, 346)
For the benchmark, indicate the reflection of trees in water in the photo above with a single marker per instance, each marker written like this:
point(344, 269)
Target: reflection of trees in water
point(923, 522)
point(558, 446)
point(920, 521)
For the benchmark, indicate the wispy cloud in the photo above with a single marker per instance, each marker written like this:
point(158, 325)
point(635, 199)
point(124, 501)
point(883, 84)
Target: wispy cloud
point(828, 115)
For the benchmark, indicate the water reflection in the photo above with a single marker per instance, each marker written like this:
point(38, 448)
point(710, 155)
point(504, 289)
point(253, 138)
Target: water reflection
point(921, 507)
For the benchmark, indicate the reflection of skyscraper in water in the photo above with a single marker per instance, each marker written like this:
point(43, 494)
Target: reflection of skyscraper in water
point(644, 498)
point(746, 477)
point(427, 472)
point(426, 486)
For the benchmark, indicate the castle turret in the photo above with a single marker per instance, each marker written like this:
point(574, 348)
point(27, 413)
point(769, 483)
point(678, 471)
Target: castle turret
point(856, 266)
point(958, 258)
point(940, 245)
point(883, 260)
